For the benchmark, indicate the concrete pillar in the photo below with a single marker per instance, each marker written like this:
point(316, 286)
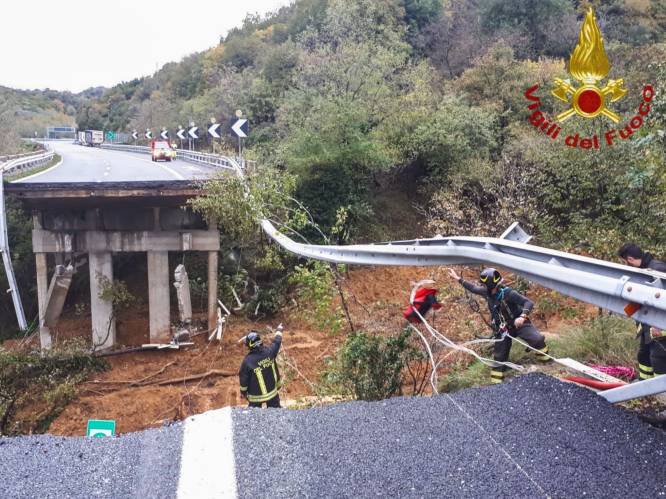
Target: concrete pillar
point(212, 289)
point(42, 290)
point(158, 296)
point(103, 320)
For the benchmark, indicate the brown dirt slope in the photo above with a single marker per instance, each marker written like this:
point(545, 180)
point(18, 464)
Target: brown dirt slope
point(129, 393)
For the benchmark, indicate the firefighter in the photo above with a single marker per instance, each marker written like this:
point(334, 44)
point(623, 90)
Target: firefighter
point(259, 375)
point(652, 345)
point(509, 311)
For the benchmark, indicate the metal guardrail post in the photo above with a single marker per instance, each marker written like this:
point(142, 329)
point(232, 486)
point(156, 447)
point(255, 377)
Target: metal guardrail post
point(15, 165)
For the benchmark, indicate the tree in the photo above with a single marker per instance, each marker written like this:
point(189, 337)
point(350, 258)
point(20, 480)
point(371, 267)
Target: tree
point(542, 23)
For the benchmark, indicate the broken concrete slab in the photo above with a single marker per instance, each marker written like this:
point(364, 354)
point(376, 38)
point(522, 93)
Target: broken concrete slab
point(182, 285)
point(55, 296)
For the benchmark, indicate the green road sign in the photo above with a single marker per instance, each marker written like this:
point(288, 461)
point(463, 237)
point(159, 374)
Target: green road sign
point(101, 428)
point(110, 135)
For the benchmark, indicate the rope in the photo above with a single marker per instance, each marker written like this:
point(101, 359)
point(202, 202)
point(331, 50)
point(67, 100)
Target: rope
point(498, 445)
point(447, 343)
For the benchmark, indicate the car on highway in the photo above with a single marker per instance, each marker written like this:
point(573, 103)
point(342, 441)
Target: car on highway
point(162, 150)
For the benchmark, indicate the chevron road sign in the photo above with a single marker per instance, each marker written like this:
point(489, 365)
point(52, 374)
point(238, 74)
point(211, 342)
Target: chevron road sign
point(149, 134)
point(165, 134)
point(135, 135)
point(241, 128)
point(192, 132)
point(213, 130)
point(180, 133)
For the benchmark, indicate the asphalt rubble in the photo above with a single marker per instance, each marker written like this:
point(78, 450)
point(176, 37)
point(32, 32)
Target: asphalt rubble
point(533, 436)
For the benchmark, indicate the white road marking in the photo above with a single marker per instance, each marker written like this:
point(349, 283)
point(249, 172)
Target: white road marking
point(207, 465)
point(170, 170)
point(39, 173)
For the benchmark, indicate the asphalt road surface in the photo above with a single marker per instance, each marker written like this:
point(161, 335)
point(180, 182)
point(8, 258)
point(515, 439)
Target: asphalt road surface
point(93, 164)
point(531, 437)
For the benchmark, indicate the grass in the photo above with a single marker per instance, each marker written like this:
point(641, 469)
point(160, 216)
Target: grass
point(606, 340)
point(56, 159)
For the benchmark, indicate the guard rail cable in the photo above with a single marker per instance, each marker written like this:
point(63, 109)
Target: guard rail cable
point(618, 288)
point(16, 165)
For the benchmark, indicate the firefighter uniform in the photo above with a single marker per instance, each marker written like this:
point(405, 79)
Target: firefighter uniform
point(651, 354)
point(505, 306)
point(259, 375)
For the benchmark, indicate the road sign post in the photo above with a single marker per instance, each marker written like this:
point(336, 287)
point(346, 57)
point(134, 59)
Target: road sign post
point(181, 135)
point(241, 129)
point(192, 133)
point(212, 131)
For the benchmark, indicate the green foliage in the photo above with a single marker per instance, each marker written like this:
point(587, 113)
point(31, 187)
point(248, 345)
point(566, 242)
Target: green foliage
point(115, 292)
point(315, 287)
point(535, 21)
point(344, 96)
point(41, 378)
point(461, 376)
point(370, 367)
point(607, 340)
point(238, 204)
point(19, 228)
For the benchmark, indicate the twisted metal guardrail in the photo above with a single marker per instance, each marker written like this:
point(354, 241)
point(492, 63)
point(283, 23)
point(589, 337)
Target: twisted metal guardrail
point(618, 288)
point(13, 165)
point(624, 290)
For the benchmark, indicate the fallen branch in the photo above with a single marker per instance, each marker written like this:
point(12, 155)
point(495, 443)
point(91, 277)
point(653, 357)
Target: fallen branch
point(194, 377)
point(164, 368)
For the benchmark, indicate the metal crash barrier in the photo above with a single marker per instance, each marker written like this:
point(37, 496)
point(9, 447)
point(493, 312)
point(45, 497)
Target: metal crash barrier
point(624, 290)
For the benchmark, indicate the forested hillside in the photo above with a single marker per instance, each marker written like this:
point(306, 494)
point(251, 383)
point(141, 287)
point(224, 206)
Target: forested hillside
point(24, 112)
point(347, 94)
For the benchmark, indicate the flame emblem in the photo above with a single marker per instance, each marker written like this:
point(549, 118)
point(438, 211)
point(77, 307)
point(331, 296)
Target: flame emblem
point(589, 64)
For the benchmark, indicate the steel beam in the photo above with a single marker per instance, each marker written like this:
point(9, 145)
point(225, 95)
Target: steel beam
point(644, 388)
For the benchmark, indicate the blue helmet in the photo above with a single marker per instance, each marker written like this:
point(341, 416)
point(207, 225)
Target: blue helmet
point(252, 340)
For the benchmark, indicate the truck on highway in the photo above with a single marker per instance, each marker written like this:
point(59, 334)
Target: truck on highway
point(94, 138)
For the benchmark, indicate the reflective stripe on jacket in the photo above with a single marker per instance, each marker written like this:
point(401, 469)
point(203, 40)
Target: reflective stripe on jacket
point(259, 374)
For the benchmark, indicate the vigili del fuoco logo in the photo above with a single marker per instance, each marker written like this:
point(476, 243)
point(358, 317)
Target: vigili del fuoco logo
point(588, 97)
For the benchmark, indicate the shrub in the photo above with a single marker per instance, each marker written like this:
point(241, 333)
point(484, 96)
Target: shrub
point(49, 377)
point(370, 367)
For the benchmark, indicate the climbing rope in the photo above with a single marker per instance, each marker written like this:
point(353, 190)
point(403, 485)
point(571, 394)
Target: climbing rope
point(448, 343)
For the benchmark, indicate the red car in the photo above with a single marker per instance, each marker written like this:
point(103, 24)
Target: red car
point(162, 150)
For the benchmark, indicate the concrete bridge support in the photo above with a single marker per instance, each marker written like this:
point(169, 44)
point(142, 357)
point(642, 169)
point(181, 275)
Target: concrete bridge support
point(100, 220)
point(42, 290)
point(101, 310)
point(158, 296)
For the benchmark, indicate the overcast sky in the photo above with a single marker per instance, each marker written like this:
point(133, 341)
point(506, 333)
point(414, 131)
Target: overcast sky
point(76, 44)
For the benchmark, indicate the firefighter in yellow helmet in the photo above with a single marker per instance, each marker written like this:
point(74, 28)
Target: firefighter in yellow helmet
point(259, 375)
